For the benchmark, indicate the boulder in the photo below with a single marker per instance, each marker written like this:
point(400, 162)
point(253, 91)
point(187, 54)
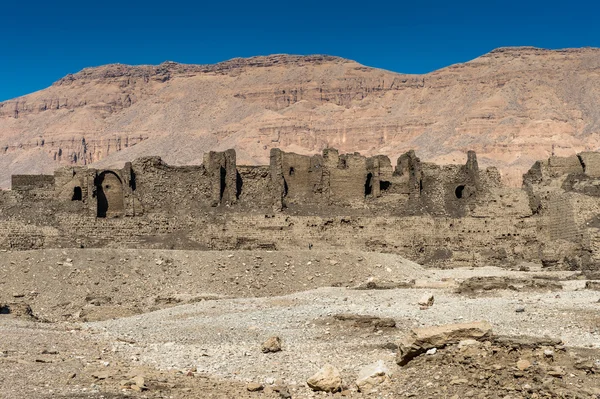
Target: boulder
point(420, 340)
point(254, 387)
point(327, 379)
point(372, 375)
point(272, 344)
point(426, 300)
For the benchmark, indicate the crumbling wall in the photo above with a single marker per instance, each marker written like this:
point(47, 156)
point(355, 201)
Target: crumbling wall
point(254, 187)
point(221, 170)
point(348, 181)
point(437, 215)
point(161, 188)
point(590, 161)
point(31, 182)
point(564, 194)
point(298, 178)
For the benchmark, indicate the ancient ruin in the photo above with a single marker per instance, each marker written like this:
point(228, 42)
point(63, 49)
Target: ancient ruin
point(435, 215)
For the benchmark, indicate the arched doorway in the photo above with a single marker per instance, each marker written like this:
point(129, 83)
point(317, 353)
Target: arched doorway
point(109, 193)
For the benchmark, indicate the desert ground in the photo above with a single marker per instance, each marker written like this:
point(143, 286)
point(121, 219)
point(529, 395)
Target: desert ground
point(114, 323)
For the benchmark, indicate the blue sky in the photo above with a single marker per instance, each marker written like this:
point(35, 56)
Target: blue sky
point(41, 41)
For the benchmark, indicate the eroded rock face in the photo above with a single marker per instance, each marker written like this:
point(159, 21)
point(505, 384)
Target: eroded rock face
point(508, 105)
point(419, 340)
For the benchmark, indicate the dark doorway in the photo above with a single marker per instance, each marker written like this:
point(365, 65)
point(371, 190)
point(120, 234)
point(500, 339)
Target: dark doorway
point(292, 171)
point(102, 202)
point(239, 184)
point(109, 193)
point(459, 191)
point(384, 185)
point(369, 185)
point(222, 182)
point(77, 195)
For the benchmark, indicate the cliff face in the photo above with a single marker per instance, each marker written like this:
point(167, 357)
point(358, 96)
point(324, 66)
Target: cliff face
point(512, 106)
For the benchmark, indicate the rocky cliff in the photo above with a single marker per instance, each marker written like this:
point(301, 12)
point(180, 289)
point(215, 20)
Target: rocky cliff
point(513, 106)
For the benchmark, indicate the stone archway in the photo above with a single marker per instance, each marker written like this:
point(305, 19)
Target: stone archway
point(109, 193)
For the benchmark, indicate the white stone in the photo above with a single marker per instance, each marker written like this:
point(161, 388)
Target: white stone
point(431, 351)
point(372, 375)
point(426, 300)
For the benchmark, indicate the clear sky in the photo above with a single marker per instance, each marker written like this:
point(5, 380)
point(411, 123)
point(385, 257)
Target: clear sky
point(41, 41)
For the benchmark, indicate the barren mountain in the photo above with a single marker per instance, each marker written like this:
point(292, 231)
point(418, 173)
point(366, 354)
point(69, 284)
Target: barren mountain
point(513, 106)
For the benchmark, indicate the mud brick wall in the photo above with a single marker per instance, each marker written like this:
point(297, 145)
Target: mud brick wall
point(31, 182)
point(436, 215)
point(161, 188)
point(255, 188)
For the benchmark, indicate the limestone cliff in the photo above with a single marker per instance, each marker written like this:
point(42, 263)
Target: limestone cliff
point(512, 106)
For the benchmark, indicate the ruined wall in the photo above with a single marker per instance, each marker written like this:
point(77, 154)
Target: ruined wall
point(255, 188)
point(437, 215)
point(564, 195)
point(31, 182)
point(222, 172)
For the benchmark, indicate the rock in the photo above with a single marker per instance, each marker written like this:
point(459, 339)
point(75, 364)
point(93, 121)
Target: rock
point(254, 387)
point(372, 375)
point(523, 364)
point(139, 380)
point(327, 379)
point(283, 391)
point(18, 309)
point(459, 381)
point(271, 345)
point(556, 372)
point(584, 364)
point(431, 351)
point(592, 285)
point(520, 310)
point(549, 353)
point(269, 380)
point(525, 342)
point(468, 342)
point(420, 340)
point(358, 320)
point(475, 285)
point(101, 375)
point(426, 300)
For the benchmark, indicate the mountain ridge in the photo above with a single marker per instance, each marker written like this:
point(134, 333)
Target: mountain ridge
point(513, 105)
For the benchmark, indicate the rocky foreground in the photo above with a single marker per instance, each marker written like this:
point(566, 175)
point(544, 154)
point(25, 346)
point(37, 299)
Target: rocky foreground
point(512, 106)
point(253, 324)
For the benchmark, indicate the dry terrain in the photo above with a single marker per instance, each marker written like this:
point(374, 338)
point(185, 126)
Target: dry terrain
point(512, 106)
point(108, 323)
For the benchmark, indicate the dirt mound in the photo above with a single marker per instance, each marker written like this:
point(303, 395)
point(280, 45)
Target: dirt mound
point(99, 284)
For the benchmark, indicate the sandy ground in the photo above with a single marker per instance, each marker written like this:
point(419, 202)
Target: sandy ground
point(192, 324)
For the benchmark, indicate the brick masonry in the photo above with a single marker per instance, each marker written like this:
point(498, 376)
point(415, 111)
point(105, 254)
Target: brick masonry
point(445, 215)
